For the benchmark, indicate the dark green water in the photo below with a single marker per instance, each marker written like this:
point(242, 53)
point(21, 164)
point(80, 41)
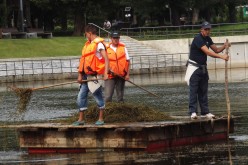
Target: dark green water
point(60, 102)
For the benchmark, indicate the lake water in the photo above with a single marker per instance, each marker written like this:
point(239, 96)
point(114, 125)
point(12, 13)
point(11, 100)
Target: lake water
point(59, 102)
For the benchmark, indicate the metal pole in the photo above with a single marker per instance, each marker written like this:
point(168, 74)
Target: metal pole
point(168, 7)
point(21, 16)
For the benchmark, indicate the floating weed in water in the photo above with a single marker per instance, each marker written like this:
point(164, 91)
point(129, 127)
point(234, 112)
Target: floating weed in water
point(1, 99)
point(24, 95)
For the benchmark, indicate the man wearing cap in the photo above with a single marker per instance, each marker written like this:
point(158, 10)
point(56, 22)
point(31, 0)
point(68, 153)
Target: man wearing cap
point(197, 74)
point(119, 63)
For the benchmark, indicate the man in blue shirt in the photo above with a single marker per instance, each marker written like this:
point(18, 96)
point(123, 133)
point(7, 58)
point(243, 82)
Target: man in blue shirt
point(197, 74)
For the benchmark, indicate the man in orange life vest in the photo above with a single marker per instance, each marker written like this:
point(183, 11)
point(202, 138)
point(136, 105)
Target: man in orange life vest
point(93, 62)
point(119, 63)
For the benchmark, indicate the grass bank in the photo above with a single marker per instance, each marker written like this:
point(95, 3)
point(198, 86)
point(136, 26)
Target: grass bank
point(37, 47)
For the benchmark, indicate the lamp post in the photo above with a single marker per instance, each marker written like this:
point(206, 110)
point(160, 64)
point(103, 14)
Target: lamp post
point(85, 21)
point(21, 16)
point(168, 7)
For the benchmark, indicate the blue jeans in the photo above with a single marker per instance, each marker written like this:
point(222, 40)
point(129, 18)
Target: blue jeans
point(198, 91)
point(82, 98)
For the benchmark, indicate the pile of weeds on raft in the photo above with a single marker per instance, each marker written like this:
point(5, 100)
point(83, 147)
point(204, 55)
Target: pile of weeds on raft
point(122, 112)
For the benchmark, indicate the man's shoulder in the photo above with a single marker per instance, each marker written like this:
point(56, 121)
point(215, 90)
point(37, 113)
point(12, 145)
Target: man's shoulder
point(121, 44)
point(98, 40)
point(198, 38)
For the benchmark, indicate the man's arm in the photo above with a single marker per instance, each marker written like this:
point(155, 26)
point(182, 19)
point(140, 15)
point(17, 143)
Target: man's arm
point(104, 55)
point(129, 64)
point(214, 54)
point(80, 77)
point(221, 48)
point(128, 70)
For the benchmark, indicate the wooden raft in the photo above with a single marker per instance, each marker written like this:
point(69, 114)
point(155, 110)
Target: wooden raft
point(149, 136)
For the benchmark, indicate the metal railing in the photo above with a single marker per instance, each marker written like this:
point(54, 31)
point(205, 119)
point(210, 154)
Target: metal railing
point(69, 65)
point(183, 31)
point(38, 66)
point(22, 67)
point(158, 61)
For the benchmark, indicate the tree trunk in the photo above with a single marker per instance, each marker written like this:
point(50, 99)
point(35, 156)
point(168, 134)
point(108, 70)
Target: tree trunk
point(48, 21)
point(195, 16)
point(64, 21)
point(27, 12)
point(135, 22)
point(3, 14)
point(78, 24)
point(175, 16)
point(232, 12)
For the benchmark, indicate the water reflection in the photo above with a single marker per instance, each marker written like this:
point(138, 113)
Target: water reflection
point(215, 153)
point(59, 102)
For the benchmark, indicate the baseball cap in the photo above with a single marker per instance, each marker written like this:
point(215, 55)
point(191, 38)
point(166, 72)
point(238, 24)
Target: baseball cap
point(206, 25)
point(115, 34)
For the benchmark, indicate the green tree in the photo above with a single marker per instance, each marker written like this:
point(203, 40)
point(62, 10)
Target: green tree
point(3, 13)
point(149, 12)
point(144, 12)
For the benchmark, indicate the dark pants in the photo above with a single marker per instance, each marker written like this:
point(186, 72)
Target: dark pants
point(110, 85)
point(198, 91)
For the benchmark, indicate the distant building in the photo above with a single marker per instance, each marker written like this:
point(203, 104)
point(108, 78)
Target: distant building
point(244, 9)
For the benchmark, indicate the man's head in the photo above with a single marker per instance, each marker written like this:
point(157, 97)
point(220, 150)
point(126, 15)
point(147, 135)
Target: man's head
point(115, 37)
point(206, 25)
point(205, 28)
point(114, 34)
point(90, 31)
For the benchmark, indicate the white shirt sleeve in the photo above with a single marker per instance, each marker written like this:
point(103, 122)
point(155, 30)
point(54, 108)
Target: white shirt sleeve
point(127, 55)
point(100, 47)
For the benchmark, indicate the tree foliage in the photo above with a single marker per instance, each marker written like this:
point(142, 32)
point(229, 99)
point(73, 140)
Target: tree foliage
point(75, 14)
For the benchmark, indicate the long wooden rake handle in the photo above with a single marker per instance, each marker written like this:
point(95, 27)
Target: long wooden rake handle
point(142, 88)
point(71, 82)
point(115, 74)
point(226, 92)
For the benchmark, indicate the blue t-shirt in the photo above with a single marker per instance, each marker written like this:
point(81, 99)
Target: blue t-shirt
point(196, 54)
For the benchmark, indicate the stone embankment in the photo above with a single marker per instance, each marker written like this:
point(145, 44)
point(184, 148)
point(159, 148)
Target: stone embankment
point(146, 57)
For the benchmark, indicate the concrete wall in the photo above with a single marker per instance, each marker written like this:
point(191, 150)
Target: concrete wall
point(172, 46)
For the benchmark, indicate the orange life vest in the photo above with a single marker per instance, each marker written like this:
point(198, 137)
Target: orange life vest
point(117, 60)
point(89, 62)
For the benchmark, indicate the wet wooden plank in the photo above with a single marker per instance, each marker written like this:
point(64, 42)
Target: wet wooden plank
point(63, 129)
point(120, 129)
point(92, 129)
point(134, 129)
point(82, 139)
point(23, 129)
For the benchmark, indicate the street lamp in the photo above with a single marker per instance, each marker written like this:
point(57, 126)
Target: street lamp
point(128, 12)
point(128, 15)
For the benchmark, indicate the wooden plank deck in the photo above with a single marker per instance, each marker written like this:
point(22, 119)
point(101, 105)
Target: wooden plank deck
point(149, 136)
